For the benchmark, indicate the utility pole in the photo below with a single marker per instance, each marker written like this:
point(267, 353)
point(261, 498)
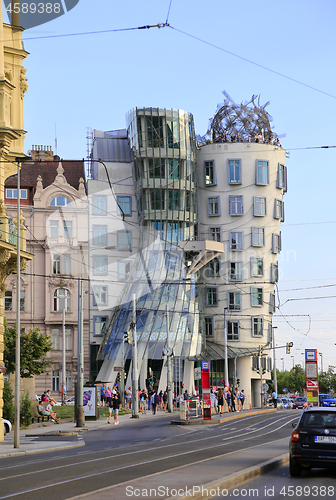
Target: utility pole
point(80, 373)
point(63, 361)
point(135, 413)
point(275, 380)
point(169, 368)
point(226, 368)
point(18, 318)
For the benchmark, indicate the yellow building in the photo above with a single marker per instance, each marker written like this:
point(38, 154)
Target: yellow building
point(13, 85)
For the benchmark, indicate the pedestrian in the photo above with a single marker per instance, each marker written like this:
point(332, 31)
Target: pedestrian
point(275, 398)
point(115, 405)
point(229, 399)
point(238, 394)
point(161, 400)
point(108, 402)
point(165, 401)
point(242, 399)
point(212, 400)
point(233, 399)
point(102, 394)
point(143, 401)
point(129, 398)
point(154, 401)
point(220, 401)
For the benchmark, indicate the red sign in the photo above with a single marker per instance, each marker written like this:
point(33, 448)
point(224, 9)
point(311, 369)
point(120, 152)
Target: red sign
point(312, 384)
point(206, 390)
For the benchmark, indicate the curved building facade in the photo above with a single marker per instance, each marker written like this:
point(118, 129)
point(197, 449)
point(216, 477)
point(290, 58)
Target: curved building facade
point(164, 158)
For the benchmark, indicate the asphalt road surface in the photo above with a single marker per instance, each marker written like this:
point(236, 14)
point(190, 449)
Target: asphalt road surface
point(278, 485)
point(124, 453)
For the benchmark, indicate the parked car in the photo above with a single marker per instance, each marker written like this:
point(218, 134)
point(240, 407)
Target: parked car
point(7, 426)
point(326, 400)
point(280, 403)
point(313, 441)
point(300, 403)
point(287, 403)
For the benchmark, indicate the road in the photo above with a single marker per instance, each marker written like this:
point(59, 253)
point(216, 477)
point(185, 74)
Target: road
point(278, 485)
point(124, 454)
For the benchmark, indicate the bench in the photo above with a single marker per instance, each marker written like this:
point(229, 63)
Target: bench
point(37, 417)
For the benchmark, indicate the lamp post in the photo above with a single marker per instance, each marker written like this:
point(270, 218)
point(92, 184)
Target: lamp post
point(321, 355)
point(283, 364)
point(226, 368)
point(275, 381)
point(18, 318)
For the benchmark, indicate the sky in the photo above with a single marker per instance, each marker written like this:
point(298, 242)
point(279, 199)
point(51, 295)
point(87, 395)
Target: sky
point(283, 51)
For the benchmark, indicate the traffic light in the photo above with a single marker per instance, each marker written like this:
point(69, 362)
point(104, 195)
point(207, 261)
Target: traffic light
point(129, 337)
point(238, 382)
point(261, 350)
point(288, 347)
point(119, 377)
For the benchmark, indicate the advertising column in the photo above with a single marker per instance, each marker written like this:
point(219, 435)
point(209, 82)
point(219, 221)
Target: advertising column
point(206, 390)
point(311, 370)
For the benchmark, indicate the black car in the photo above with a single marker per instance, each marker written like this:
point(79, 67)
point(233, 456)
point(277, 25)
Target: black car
point(313, 441)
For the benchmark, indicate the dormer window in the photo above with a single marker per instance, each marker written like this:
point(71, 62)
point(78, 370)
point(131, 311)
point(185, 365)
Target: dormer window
point(60, 201)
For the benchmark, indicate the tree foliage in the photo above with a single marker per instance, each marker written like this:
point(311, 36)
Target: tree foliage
point(8, 405)
point(33, 348)
point(295, 381)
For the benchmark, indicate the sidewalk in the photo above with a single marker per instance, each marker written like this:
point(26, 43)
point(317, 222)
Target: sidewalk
point(54, 434)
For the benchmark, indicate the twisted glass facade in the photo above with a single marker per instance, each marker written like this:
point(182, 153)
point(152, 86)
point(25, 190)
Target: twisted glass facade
point(164, 155)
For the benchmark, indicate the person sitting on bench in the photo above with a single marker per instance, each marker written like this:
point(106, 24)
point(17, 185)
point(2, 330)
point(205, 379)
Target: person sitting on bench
point(46, 413)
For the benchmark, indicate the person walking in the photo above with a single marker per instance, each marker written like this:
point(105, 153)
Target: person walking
point(165, 401)
point(229, 399)
point(220, 401)
point(128, 397)
point(275, 398)
point(242, 399)
point(143, 402)
point(102, 394)
point(154, 401)
point(108, 402)
point(115, 405)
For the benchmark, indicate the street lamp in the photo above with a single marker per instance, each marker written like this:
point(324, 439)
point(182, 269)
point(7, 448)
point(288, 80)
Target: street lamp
point(275, 381)
point(320, 353)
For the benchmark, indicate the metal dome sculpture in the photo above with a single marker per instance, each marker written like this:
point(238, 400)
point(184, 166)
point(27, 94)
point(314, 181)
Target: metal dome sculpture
point(242, 122)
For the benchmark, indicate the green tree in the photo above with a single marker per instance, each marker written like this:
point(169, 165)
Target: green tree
point(8, 405)
point(33, 348)
point(25, 410)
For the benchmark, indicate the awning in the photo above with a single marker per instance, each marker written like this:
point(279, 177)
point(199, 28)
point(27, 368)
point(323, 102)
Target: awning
point(213, 351)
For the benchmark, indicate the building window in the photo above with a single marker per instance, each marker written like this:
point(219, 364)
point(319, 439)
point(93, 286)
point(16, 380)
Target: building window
point(68, 380)
point(99, 205)
point(12, 193)
point(124, 241)
point(257, 297)
point(99, 325)
point(234, 172)
point(257, 327)
point(55, 380)
point(174, 200)
point(258, 236)
point(156, 168)
point(282, 177)
point(211, 296)
point(257, 266)
point(236, 241)
point(236, 271)
point(276, 243)
point(214, 268)
point(60, 201)
point(100, 295)
point(174, 169)
point(259, 206)
point(233, 330)
point(22, 300)
point(8, 300)
point(61, 300)
point(215, 233)
point(234, 301)
point(124, 270)
point(274, 273)
point(99, 235)
point(67, 226)
point(99, 264)
point(209, 324)
point(272, 303)
point(279, 210)
point(61, 264)
point(236, 205)
point(157, 199)
point(213, 206)
point(262, 177)
point(125, 205)
point(55, 338)
point(53, 228)
point(210, 173)
point(68, 339)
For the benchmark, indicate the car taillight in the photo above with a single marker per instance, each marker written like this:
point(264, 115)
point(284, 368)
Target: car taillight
point(295, 436)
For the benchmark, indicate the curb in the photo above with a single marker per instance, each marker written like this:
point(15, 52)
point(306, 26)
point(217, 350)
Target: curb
point(237, 478)
point(200, 421)
point(34, 452)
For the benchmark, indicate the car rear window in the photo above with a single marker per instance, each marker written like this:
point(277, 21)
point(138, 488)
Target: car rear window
point(319, 419)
